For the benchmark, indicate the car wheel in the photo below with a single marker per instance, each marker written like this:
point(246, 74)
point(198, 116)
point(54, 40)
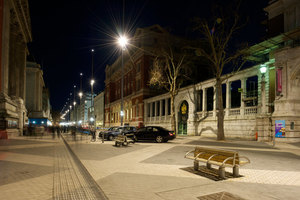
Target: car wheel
point(159, 139)
point(111, 137)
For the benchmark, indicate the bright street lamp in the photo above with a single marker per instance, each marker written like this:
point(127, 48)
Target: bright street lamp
point(123, 41)
point(263, 69)
point(92, 82)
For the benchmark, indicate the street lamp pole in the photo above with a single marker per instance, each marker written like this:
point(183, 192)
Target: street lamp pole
point(80, 92)
point(74, 103)
point(92, 83)
point(122, 85)
point(122, 42)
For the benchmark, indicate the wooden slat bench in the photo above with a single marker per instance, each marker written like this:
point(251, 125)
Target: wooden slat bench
point(221, 158)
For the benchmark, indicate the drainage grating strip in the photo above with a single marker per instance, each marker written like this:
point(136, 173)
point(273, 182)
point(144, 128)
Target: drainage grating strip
point(71, 179)
point(220, 196)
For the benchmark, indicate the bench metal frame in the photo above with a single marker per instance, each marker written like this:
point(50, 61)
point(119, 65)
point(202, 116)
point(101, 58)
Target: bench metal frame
point(222, 165)
point(123, 140)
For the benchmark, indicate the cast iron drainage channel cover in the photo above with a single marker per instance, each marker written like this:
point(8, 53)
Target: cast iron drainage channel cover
point(219, 196)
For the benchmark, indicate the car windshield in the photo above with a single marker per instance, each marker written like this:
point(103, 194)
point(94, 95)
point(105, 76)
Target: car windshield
point(115, 129)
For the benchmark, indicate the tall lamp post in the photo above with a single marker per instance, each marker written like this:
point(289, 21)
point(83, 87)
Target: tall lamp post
point(92, 84)
point(80, 92)
point(123, 41)
point(74, 103)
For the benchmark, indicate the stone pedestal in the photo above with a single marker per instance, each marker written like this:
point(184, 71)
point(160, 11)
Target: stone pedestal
point(264, 128)
point(9, 119)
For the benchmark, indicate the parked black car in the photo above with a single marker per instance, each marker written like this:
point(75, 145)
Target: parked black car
point(156, 133)
point(113, 132)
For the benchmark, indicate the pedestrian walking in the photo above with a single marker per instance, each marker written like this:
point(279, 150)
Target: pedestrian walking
point(93, 133)
point(58, 131)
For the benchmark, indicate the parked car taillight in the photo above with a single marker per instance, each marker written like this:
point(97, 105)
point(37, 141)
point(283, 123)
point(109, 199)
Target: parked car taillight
point(171, 133)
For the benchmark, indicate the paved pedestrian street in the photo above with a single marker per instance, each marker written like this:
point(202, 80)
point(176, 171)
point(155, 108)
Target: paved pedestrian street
point(46, 168)
point(42, 168)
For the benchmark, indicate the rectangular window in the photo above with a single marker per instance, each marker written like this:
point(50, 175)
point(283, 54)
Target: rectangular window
point(199, 100)
point(210, 99)
point(169, 106)
point(138, 67)
point(153, 109)
point(163, 107)
point(158, 108)
point(148, 109)
point(138, 84)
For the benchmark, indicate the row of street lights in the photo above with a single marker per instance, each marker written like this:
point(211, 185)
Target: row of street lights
point(122, 42)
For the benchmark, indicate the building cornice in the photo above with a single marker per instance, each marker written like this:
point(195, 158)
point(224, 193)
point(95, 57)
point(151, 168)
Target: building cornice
point(20, 8)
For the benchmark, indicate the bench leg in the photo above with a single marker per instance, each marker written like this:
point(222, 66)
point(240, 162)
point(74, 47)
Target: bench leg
point(235, 171)
point(208, 166)
point(222, 172)
point(196, 165)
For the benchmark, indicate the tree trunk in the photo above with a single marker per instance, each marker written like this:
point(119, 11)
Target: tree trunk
point(220, 111)
point(173, 119)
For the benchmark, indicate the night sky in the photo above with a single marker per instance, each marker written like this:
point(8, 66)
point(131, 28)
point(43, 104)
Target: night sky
point(64, 32)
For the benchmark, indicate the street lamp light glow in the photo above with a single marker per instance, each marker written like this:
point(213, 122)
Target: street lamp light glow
point(92, 82)
point(123, 41)
point(91, 119)
point(74, 103)
point(263, 69)
point(80, 94)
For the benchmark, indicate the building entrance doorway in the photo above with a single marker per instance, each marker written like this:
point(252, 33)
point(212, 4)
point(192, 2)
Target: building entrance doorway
point(183, 115)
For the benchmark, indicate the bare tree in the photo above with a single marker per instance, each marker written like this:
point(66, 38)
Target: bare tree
point(218, 50)
point(169, 69)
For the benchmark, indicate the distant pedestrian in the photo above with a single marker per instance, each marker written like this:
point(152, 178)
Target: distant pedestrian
point(58, 131)
point(53, 131)
point(93, 133)
point(73, 132)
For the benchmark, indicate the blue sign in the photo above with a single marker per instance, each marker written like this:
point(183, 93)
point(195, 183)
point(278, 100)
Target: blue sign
point(280, 128)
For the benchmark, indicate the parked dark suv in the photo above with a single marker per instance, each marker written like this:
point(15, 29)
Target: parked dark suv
point(114, 131)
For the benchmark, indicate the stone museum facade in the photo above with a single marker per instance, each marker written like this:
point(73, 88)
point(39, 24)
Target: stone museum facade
point(261, 102)
point(15, 33)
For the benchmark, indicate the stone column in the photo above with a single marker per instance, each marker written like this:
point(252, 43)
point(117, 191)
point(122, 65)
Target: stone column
point(243, 93)
point(13, 78)
point(146, 111)
point(4, 57)
point(21, 63)
point(228, 98)
point(166, 107)
point(160, 109)
point(215, 102)
point(151, 110)
point(204, 104)
point(263, 95)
